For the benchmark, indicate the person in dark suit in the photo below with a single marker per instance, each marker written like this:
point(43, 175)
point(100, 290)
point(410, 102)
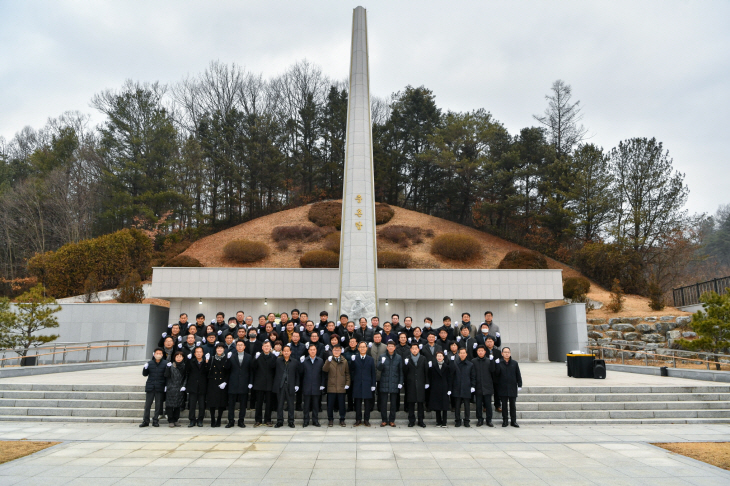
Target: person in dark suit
point(467, 342)
point(510, 383)
point(240, 380)
point(264, 367)
point(312, 384)
point(463, 386)
point(415, 371)
point(154, 389)
point(496, 355)
point(286, 384)
point(390, 367)
point(217, 395)
point(440, 379)
point(196, 387)
point(483, 369)
point(363, 383)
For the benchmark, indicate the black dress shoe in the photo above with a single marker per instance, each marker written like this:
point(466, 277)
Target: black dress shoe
point(421, 424)
point(291, 424)
point(366, 423)
point(490, 424)
point(229, 425)
point(342, 423)
point(457, 423)
point(155, 424)
point(411, 425)
point(242, 425)
point(330, 423)
point(200, 423)
point(278, 425)
point(480, 422)
point(466, 424)
point(305, 424)
point(144, 424)
point(504, 424)
point(514, 424)
point(316, 424)
point(192, 423)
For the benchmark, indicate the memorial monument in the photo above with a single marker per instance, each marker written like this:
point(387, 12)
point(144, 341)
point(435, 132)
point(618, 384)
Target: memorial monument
point(358, 245)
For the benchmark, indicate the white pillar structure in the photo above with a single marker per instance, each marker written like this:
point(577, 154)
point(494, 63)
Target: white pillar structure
point(358, 250)
point(541, 331)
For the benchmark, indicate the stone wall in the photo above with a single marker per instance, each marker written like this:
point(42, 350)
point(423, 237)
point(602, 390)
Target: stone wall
point(632, 335)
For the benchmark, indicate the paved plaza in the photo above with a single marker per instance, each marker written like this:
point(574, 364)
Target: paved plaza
point(125, 455)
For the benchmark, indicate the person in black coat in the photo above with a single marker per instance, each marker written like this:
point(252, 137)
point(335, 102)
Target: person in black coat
point(154, 389)
point(467, 342)
point(175, 334)
point(240, 379)
point(484, 333)
point(463, 386)
point(312, 384)
point(264, 367)
point(415, 372)
point(496, 355)
point(510, 383)
point(286, 384)
point(217, 395)
point(197, 386)
point(364, 333)
point(440, 380)
point(253, 345)
point(363, 383)
point(175, 377)
point(483, 369)
point(390, 367)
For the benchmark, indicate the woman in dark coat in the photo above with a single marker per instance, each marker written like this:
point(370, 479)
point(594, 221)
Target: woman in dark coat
point(168, 348)
point(217, 396)
point(441, 379)
point(510, 383)
point(197, 386)
point(175, 380)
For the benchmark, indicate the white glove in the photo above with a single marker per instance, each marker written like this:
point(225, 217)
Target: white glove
point(229, 354)
point(301, 359)
point(519, 388)
point(169, 326)
point(182, 388)
point(321, 388)
point(427, 385)
point(496, 360)
point(370, 345)
point(276, 353)
point(342, 338)
point(475, 346)
point(212, 321)
point(288, 344)
point(491, 357)
point(400, 385)
point(169, 364)
point(257, 355)
point(458, 338)
point(296, 388)
point(179, 346)
point(165, 389)
point(372, 388)
point(179, 338)
point(301, 328)
point(430, 364)
point(326, 347)
point(207, 356)
point(347, 387)
point(321, 332)
point(306, 345)
point(409, 340)
point(353, 357)
point(337, 324)
point(420, 346)
point(220, 332)
point(448, 393)
point(164, 334)
point(222, 385)
point(406, 361)
point(472, 389)
point(329, 359)
point(250, 385)
point(190, 355)
point(452, 357)
point(497, 334)
point(146, 365)
point(382, 360)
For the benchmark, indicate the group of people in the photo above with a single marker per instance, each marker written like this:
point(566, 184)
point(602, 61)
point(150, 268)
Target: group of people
point(293, 364)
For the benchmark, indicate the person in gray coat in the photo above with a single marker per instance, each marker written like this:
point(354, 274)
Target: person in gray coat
point(390, 369)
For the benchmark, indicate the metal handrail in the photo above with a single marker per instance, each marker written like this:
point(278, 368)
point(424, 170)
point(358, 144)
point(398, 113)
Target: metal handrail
point(691, 294)
point(667, 357)
point(71, 348)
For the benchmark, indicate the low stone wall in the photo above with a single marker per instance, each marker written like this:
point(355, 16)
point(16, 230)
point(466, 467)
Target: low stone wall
point(631, 336)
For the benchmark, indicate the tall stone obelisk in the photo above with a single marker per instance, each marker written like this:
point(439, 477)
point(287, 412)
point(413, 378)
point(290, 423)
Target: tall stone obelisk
point(358, 250)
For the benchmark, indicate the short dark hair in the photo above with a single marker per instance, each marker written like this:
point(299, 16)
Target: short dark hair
point(304, 313)
point(183, 314)
point(284, 314)
point(262, 316)
point(506, 347)
point(489, 338)
point(344, 315)
point(390, 341)
point(336, 346)
point(489, 312)
point(414, 344)
point(374, 317)
point(200, 315)
point(158, 349)
point(220, 314)
point(465, 314)
point(408, 317)
point(395, 315)
point(417, 327)
point(323, 313)
point(428, 319)
point(443, 330)
point(231, 319)
point(446, 318)
point(295, 310)
point(241, 312)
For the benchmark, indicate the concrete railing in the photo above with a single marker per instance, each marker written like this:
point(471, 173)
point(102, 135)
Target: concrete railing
point(58, 353)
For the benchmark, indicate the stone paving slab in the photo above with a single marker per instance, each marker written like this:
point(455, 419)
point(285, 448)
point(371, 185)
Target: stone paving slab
point(125, 455)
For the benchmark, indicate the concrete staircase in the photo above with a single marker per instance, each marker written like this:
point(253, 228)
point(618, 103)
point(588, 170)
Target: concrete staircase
point(536, 405)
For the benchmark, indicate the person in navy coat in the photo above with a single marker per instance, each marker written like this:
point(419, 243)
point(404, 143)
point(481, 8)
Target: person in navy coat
point(363, 383)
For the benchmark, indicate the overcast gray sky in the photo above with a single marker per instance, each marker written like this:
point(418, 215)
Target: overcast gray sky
point(639, 68)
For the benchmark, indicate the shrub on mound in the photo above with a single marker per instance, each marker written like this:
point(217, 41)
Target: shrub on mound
point(383, 213)
point(523, 260)
point(300, 232)
point(576, 288)
point(401, 234)
point(332, 242)
point(393, 259)
point(245, 251)
point(320, 259)
point(329, 213)
point(455, 246)
point(183, 261)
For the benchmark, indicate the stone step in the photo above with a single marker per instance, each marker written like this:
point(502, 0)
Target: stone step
point(622, 397)
point(52, 387)
point(80, 403)
point(71, 395)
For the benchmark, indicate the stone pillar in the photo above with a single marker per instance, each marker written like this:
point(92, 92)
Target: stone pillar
point(358, 263)
point(541, 330)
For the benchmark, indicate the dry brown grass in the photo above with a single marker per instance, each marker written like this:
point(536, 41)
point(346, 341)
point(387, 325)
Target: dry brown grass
point(715, 453)
point(15, 449)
